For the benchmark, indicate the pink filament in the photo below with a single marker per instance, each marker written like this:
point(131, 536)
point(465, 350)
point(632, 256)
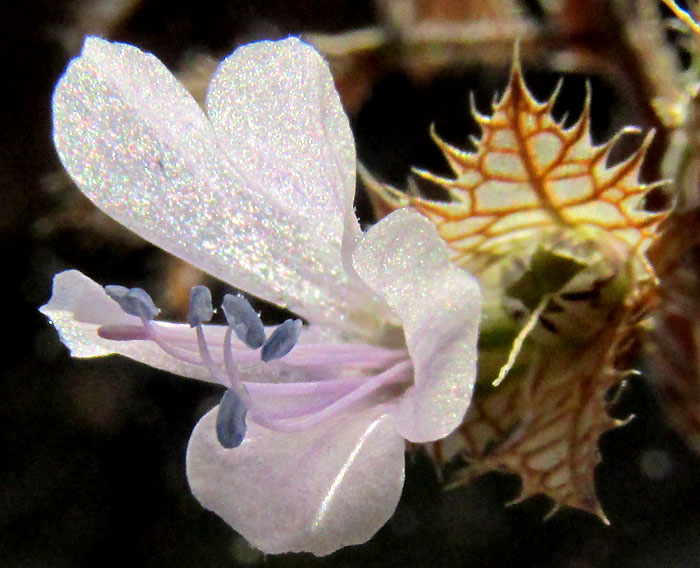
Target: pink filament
point(335, 395)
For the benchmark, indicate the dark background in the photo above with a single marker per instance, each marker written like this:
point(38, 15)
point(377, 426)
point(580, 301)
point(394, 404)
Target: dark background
point(92, 451)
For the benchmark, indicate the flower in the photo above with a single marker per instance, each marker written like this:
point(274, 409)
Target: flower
point(305, 453)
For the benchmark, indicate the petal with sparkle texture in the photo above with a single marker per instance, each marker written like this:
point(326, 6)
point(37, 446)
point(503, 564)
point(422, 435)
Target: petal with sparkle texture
point(276, 111)
point(140, 148)
point(403, 259)
point(79, 307)
point(317, 490)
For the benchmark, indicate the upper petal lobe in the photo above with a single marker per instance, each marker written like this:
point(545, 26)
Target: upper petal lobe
point(277, 114)
point(141, 149)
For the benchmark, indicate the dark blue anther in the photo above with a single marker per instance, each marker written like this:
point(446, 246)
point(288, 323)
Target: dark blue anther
point(134, 301)
point(281, 341)
point(245, 322)
point(200, 306)
point(230, 420)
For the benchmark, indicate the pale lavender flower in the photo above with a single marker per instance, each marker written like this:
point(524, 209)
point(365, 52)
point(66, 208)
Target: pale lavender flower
point(306, 451)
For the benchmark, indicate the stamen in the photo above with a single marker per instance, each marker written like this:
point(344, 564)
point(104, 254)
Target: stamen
point(201, 309)
point(245, 322)
point(134, 301)
point(154, 335)
point(397, 374)
point(207, 360)
point(313, 402)
point(230, 420)
point(236, 384)
point(282, 340)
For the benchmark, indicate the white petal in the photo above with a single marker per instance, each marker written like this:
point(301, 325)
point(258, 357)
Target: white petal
point(316, 491)
point(138, 146)
point(276, 111)
point(79, 306)
point(403, 259)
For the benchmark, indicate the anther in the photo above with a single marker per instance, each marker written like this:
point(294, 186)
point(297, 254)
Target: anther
point(134, 301)
point(230, 420)
point(282, 340)
point(245, 322)
point(200, 306)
